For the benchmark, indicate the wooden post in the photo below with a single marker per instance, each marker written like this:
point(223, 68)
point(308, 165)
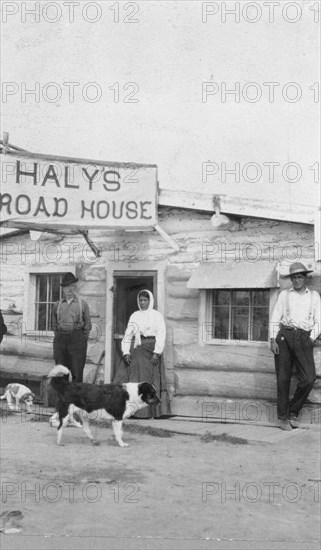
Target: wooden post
point(5, 142)
point(317, 231)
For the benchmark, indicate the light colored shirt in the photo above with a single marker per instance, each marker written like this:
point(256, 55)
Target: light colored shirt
point(294, 309)
point(145, 323)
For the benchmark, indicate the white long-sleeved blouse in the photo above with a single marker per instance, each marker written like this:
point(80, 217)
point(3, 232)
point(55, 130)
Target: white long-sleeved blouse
point(148, 322)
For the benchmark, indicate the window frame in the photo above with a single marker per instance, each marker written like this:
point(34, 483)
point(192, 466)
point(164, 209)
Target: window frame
point(205, 319)
point(30, 295)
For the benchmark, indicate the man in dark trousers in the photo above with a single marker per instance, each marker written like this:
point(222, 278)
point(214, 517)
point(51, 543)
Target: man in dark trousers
point(71, 325)
point(295, 325)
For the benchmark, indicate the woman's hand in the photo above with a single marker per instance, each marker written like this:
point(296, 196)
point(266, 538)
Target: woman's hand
point(155, 359)
point(127, 359)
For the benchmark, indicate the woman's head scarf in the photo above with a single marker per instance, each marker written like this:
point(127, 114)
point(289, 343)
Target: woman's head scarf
point(151, 300)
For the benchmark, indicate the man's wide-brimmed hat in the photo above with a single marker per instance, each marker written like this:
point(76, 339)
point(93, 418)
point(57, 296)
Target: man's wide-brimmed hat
point(295, 268)
point(68, 279)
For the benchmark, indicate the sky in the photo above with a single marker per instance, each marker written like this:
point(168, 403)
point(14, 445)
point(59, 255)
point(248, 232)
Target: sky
point(149, 82)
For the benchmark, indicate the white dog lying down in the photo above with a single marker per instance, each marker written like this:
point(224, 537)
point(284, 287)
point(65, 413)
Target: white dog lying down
point(14, 393)
point(114, 401)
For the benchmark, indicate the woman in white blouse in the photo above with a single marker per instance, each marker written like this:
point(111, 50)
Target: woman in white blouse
point(142, 348)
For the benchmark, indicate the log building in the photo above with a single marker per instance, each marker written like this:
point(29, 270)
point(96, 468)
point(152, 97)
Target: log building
point(213, 264)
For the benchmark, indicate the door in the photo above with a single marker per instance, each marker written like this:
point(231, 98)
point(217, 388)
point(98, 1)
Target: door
point(126, 286)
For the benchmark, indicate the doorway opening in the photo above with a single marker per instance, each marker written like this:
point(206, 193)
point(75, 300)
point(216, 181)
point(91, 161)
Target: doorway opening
point(126, 286)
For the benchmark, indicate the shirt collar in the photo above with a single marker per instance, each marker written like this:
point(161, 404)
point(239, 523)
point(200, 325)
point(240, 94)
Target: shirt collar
point(64, 299)
point(306, 290)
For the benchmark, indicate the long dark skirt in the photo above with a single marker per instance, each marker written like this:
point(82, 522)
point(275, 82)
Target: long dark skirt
point(141, 369)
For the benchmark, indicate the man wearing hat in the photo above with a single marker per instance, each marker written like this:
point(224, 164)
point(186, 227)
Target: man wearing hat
point(71, 325)
point(294, 326)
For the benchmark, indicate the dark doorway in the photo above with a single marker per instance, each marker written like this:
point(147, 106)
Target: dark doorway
point(126, 286)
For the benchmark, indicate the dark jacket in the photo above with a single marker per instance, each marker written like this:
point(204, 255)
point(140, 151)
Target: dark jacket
point(3, 327)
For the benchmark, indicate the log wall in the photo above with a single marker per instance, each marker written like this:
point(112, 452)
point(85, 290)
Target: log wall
point(225, 371)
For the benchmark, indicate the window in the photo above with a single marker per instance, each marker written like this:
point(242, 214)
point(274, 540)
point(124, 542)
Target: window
point(41, 290)
point(240, 314)
point(48, 291)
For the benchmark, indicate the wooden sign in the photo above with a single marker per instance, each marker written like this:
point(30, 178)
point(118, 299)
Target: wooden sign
point(60, 191)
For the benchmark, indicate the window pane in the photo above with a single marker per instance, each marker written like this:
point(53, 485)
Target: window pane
point(220, 316)
point(260, 298)
point(221, 323)
point(42, 288)
point(50, 313)
point(240, 323)
point(221, 297)
point(260, 324)
point(240, 315)
point(42, 308)
point(55, 287)
point(240, 297)
point(240, 311)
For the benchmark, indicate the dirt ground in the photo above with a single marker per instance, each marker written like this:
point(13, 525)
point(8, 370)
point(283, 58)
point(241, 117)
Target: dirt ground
point(163, 487)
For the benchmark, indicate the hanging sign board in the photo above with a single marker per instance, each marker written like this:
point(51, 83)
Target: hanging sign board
point(58, 191)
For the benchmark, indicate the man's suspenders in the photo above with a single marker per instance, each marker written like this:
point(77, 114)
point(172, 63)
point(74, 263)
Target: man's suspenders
point(58, 309)
point(311, 305)
point(287, 304)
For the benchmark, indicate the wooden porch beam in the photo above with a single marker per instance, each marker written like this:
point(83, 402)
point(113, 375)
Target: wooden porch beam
point(167, 238)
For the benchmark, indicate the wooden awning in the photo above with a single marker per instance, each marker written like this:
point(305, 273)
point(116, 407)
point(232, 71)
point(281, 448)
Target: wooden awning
point(234, 275)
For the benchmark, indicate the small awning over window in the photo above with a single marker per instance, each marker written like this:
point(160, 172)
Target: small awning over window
point(234, 275)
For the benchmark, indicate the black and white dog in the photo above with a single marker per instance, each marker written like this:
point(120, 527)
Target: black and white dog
point(113, 401)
